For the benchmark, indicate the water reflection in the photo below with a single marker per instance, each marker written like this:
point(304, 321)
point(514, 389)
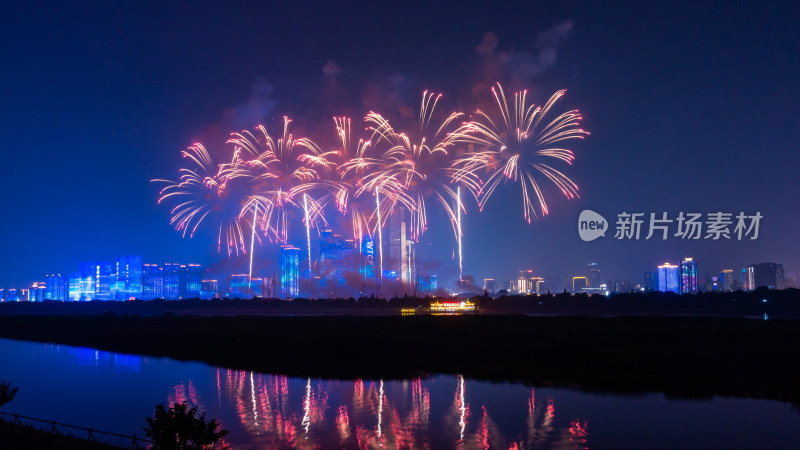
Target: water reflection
point(79, 385)
point(276, 411)
point(86, 356)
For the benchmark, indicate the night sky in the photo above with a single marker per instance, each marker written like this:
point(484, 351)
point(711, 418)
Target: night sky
point(692, 106)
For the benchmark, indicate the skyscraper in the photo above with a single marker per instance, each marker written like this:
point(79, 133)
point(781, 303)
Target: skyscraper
point(56, 287)
point(593, 275)
point(727, 280)
point(290, 271)
point(367, 263)
point(688, 276)
point(128, 277)
point(401, 248)
point(669, 278)
point(490, 285)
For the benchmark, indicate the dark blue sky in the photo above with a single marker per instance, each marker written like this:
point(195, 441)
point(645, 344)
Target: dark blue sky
point(692, 106)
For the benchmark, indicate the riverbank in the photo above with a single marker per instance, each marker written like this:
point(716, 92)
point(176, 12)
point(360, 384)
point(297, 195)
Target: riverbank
point(25, 437)
point(680, 356)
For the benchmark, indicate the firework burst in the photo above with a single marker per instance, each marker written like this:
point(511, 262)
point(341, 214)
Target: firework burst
point(200, 195)
point(283, 173)
point(519, 144)
point(423, 163)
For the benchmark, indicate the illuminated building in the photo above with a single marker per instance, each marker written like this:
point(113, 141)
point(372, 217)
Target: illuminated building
point(521, 285)
point(290, 266)
point(37, 291)
point(748, 278)
point(14, 295)
point(209, 289)
point(669, 278)
point(74, 287)
point(335, 253)
point(769, 275)
point(593, 275)
point(96, 281)
point(172, 281)
point(537, 284)
point(241, 286)
point(579, 284)
point(191, 274)
point(688, 276)
point(367, 263)
point(490, 285)
point(104, 281)
point(56, 287)
point(128, 277)
point(427, 284)
point(152, 281)
point(727, 281)
point(402, 258)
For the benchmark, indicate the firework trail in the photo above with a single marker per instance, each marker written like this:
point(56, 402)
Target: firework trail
point(202, 195)
point(280, 170)
point(424, 162)
point(518, 144)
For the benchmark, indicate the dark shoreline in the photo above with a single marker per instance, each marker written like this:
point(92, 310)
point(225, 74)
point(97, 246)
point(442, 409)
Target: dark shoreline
point(679, 356)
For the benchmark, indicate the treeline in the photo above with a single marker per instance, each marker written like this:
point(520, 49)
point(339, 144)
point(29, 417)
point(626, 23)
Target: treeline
point(775, 303)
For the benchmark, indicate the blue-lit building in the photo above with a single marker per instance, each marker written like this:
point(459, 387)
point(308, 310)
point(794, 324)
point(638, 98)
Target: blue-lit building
point(81, 284)
point(56, 287)
point(128, 277)
point(105, 275)
point(37, 291)
point(290, 271)
point(688, 276)
point(191, 277)
point(367, 263)
point(152, 281)
point(242, 286)
point(209, 289)
point(172, 281)
point(669, 278)
point(427, 284)
point(335, 253)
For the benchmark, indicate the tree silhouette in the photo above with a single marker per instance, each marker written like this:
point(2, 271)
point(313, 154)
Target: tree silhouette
point(7, 392)
point(179, 428)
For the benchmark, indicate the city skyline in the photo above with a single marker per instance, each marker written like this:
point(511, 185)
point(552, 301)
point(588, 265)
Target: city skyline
point(122, 127)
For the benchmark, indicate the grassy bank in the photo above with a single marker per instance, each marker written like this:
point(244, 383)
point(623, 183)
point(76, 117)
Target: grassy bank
point(677, 355)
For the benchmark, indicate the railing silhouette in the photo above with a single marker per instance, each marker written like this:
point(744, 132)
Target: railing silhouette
point(135, 441)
